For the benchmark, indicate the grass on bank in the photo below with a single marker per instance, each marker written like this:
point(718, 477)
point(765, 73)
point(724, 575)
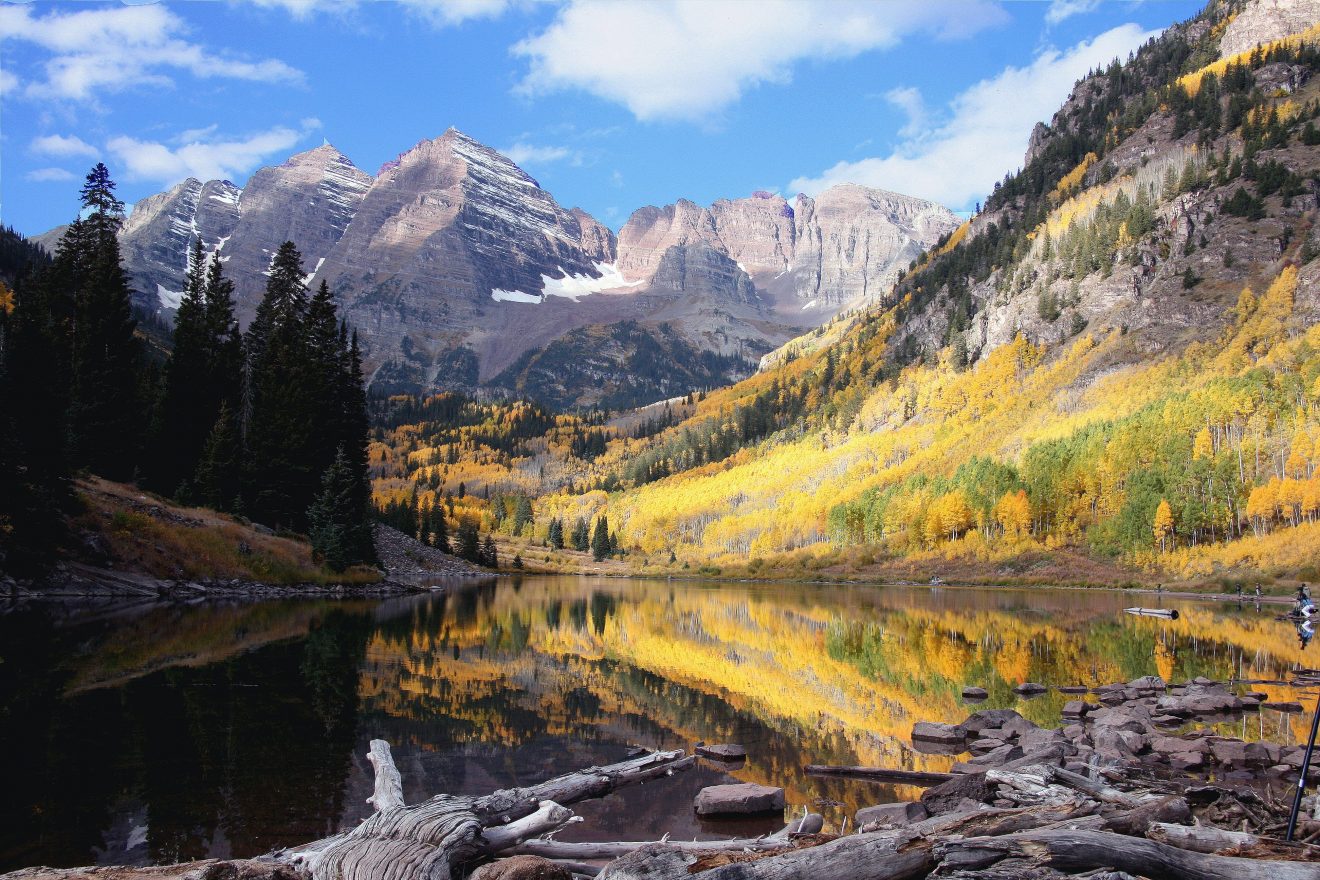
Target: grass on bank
point(144, 533)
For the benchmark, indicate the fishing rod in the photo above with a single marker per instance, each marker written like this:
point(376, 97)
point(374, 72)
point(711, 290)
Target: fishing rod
point(1306, 766)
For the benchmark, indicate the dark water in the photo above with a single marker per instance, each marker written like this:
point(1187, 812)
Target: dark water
point(140, 734)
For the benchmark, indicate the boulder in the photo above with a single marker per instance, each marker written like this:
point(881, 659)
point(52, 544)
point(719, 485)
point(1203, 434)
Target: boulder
point(1036, 739)
point(1117, 719)
point(998, 756)
point(1075, 709)
point(740, 799)
point(1019, 726)
point(974, 693)
point(948, 796)
point(1030, 689)
point(985, 745)
point(722, 752)
point(988, 718)
point(942, 734)
point(1238, 754)
point(1147, 683)
point(891, 815)
point(522, 868)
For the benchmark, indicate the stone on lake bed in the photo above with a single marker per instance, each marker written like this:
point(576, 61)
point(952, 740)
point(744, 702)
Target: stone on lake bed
point(903, 813)
point(941, 734)
point(1282, 707)
point(722, 752)
point(1030, 689)
point(975, 693)
point(1148, 683)
point(738, 799)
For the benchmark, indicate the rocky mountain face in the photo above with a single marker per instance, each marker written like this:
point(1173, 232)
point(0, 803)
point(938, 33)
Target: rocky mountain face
point(457, 268)
point(1214, 226)
point(818, 256)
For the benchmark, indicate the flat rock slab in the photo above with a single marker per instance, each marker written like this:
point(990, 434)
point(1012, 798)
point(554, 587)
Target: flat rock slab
point(899, 814)
point(1282, 707)
point(1030, 689)
point(739, 799)
point(941, 734)
point(974, 693)
point(1074, 689)
point(722, 752)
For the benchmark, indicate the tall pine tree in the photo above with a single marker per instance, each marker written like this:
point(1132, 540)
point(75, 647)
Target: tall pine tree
point(280, 471)
point(105, 413)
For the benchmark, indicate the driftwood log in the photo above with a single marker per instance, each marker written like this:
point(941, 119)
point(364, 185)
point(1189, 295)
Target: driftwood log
point(438, 838)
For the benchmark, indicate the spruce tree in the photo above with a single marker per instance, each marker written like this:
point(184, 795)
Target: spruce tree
point(218, 481)
point(105, 414)
point(489, 555)
point(333, 515)
point(581, 535)
point(441, 530)
point(600, 539)
point(556, 535)
point(280, 460)
point(469, 541)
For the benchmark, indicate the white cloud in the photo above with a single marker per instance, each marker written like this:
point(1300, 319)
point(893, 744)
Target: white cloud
point(909, 100)
point(437, 12)
point(111, 49)
point(9, 83)
point(1064, 9)
point(205, 160)
point(687, 59)
point(49, 175)
point(985, 133)
point(524, 154)
point(62, 146)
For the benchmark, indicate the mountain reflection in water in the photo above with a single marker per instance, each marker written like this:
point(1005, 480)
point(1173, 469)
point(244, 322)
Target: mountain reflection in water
point(141, 734)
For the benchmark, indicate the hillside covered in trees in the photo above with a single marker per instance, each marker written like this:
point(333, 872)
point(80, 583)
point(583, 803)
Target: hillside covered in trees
point(269, 425)
point(1117, 360)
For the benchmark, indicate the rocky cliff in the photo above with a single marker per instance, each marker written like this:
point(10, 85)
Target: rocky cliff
point(453, 264)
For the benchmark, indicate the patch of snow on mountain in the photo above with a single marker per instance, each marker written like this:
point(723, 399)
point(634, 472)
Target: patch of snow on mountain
point(516, 296)
point(574, 286)
point(170, 299)
point(307, 279)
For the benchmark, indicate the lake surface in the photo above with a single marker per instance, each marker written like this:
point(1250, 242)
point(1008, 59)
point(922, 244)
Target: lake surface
point(146, 733)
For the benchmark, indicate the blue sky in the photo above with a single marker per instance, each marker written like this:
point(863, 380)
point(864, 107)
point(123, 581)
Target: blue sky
point(610, 105)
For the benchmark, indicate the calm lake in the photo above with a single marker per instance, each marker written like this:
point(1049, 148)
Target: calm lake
point(149, 733)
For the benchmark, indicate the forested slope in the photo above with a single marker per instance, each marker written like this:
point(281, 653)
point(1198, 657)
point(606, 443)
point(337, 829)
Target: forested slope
point(1118, 358)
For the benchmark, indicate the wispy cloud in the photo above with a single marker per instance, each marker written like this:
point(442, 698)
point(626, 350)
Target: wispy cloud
point(1061, 10)
point(106, 50)
point(441, 13)
point(957, 161)
point(63, 147)
point(49, 175)
point(688, 59)
point(159, 162)
point(525, 154)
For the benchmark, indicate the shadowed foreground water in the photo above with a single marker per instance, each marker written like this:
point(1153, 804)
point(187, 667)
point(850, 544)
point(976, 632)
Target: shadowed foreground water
point(146, 733)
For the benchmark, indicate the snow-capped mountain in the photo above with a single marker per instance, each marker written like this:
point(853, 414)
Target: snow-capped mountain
point(458, 269)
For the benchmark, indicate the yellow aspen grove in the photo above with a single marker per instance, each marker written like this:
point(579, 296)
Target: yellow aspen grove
point(1013, 513)
point(1163, 523)
point(1299, 458)
point(1204, 445)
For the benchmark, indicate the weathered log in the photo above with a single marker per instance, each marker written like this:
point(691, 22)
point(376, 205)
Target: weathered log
point(389, 785)
point(1098, 790)
point(876, 856)
point(1207, 839)
point(433, 840)
point(1138, 820)
point(1076, 851)
point(879, 774)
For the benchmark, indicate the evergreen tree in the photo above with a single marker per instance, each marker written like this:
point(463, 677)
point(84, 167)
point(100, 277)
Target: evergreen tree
point(201, 377)
point(469, 541)
point(105, 413)
point(441, 529)
point(218, 481)
point(556, 535)
point(489, 555)
point(600, 539)
point(581, 535)
point(280, 446)
point(522, 514)
point(333, 516)
point(34, 381)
